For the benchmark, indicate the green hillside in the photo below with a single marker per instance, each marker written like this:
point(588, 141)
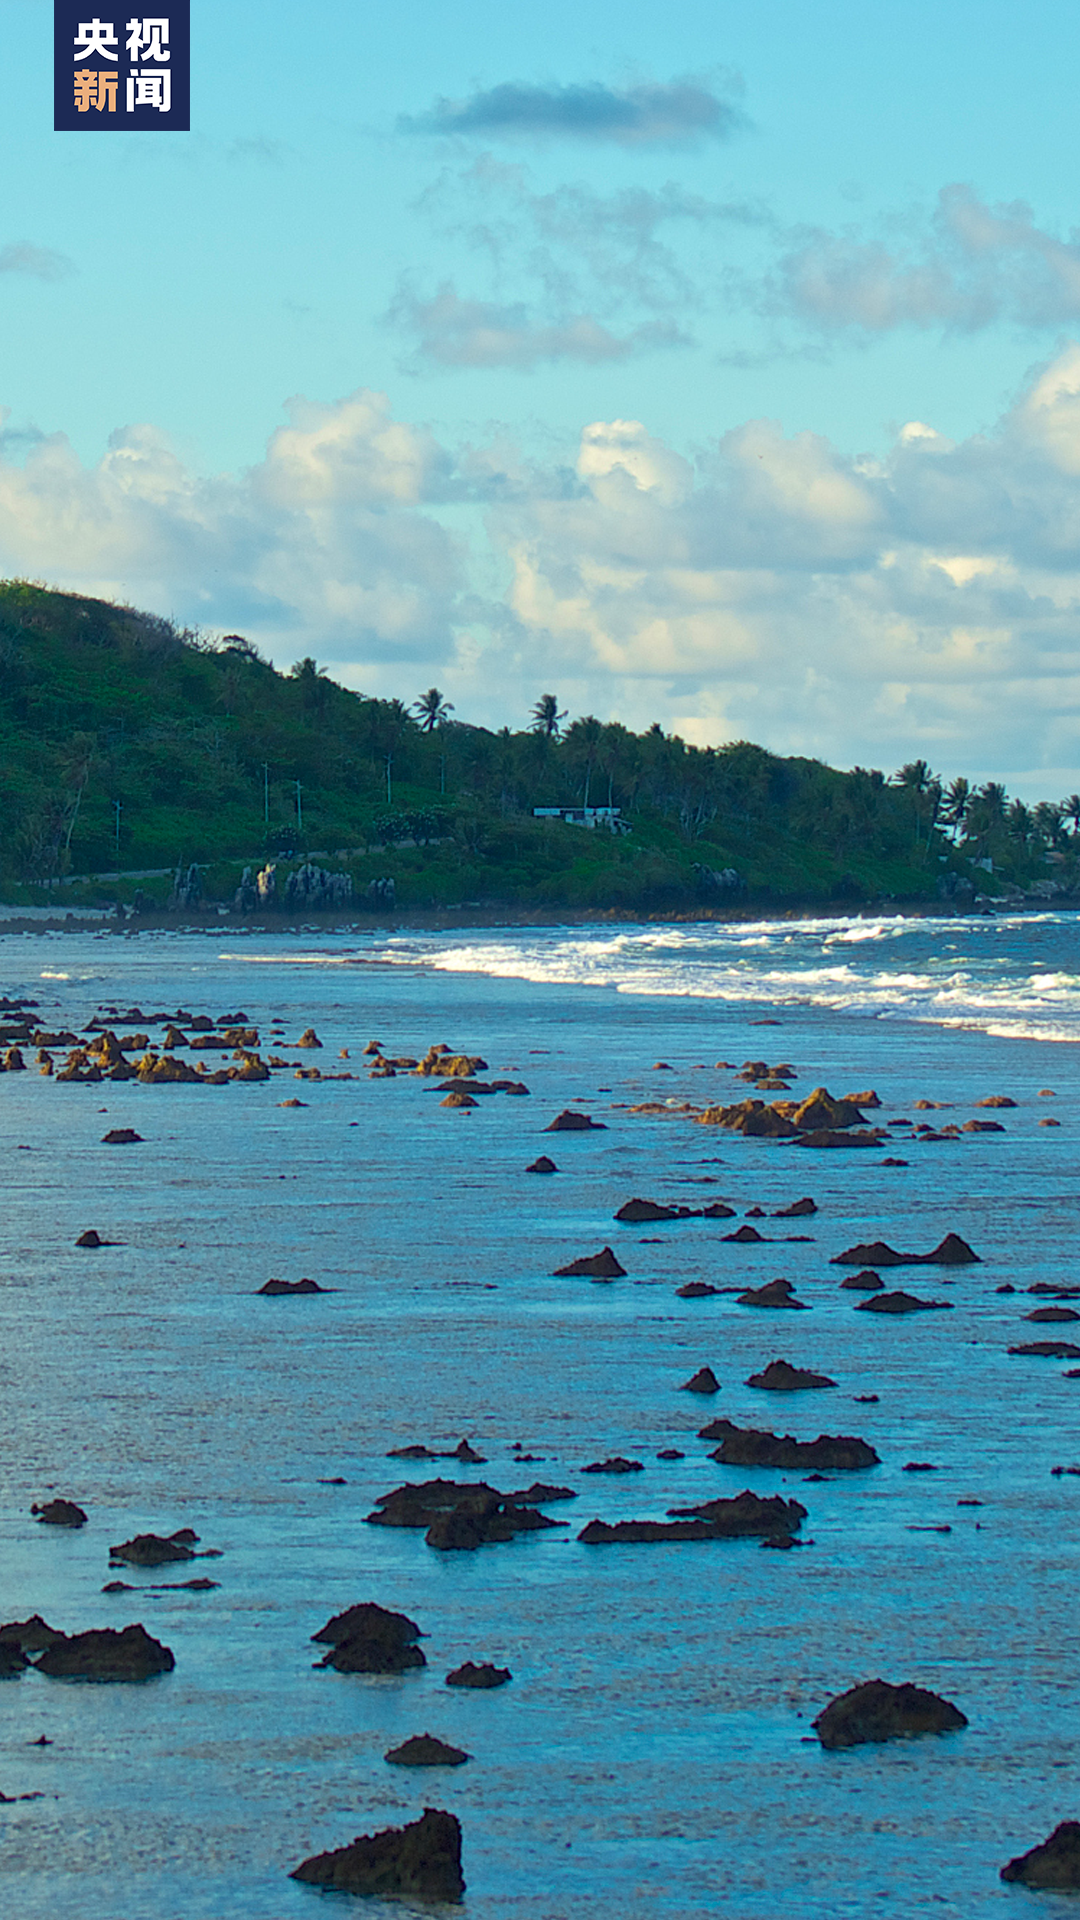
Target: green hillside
point(129, 745)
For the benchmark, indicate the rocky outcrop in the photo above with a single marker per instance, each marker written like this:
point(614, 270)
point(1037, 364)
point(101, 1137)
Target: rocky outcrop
point(616, 1464)
point(877, 1711)
point(1048, 1349)
point(570, 1122)
point(543, 1165)
point(121, 1137)
point(1053, 1314)
point(901, 1302)
point(747, 1516)
point(835, 1137)
point(950, 1252)
point(422, 1859)
point(29, 1636)
point(751, 1117)
point(750, 1447)
point(105, 1654)
point(775, 1293)
point(696, 1290)
point(798, 1210)
point(638, 1212)
point(459, 1517)
point(596, 1266)
point(154, 1550)
point(292, 1286)
point(1054, 1865)
point(60, 1513)
point(370, 1639)
point(865, 1281)
point(744, 1237)
point(703, 1381)
point(13, 1661)
point(424, 1750)
point(781, 1377)
point(996, 1100)
point(481, 1677)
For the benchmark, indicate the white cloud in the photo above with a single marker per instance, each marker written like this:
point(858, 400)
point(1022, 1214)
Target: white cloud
point(774, 587)
point(41, 263)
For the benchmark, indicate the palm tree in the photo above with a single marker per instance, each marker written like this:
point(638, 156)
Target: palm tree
point(546, 718)
point(583, 739)
point(1070, 810)
point(1048, 817)
point(432, 710)
point(315, 688)
point(957, 800)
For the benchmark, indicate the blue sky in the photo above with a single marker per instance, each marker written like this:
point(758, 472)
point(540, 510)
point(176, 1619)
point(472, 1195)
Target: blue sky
point(704, 363)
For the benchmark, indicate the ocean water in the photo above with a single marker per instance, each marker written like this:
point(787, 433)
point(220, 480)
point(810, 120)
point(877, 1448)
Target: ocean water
point(652, 1758)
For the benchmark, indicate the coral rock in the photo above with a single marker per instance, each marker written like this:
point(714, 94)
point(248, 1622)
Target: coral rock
point(422, 1859)
point(878, 1711)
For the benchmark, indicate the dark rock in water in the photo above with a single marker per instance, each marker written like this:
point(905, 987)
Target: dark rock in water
point(13, 1660)
point(424, 1750)
point(696, 1290)
point(749, 1447)
point(293, 1286)
point(543, 1165)
point(781, 1377)
point(865, 1281)
point(670, 1453)
point(60, 1513)
point(105, 1654)
point(635, 1211)
point(703, 1381)
point(901, 1302)
point(716, 1210)
point(1052, 1314)
point(540, 1493)
point(596, 1266)
point(460, 1517)
point(367, 1617)
point(1054, 1864)
point(422, 1859)
point(370, 1639)
point(32, 1635)
point(1053, 1288)
point(482, 1676)
point(743, 1237)
point(777, 1293)
point(797, 1211)
point(151, 1550)
point(918, 1466)
point(628, 1533)
point(91, 1238)
point(617, 1464)
point(121, 1137)
point(568, 1122)
point(950, 1252)
point(835, 1137)
point(1048, 1349)
point(877, 1711)
point(747, 1514)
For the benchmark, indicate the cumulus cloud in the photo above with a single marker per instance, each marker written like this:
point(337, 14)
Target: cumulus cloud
point(773, 586)
point(41, 263)
point(452, 332)
point(328, 535)
point(653, 113)
point(967, 267)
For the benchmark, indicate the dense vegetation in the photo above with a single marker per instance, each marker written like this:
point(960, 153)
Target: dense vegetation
point(130, 745)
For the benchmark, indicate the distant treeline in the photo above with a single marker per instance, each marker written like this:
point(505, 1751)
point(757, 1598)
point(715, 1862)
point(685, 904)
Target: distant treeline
point(130, 743)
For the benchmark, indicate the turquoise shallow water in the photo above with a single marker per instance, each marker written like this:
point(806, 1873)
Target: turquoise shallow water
point(651, 1758)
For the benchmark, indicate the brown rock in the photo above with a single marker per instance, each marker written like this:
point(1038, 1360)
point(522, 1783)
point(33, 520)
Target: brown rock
point(1051, 1314)
point(152, 1550)
point(1054, 1864)
point(798, 1210)
point(32, 1635)
point(424, 1750)
point(569, 1122)
point(121, 1137)
point(595, 1266)
point(292, 1286)
point(1048, 1349)
point(63, 1513)
point(422, 1859)
point(867, 1099)
point(877, 1711)
point(996, 1100)
point(950, 1252)
point(744, 1237)
point(865, 1281)
point(696, 1290)
point(780, 1377)
point(617, 1464)
point(836, 1137)
point(635, 1212)
point(483, 1676)
point(458, 1100)
point(776, 1293)
point(370, 1639)
point(105, 1654)
point(703, 1381)
point(750, 1447)
point(821, 1110)
point(901, 1302)
point(543, 1165)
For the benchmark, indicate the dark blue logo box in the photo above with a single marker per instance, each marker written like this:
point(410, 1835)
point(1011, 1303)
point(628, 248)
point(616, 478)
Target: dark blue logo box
point(115, 71)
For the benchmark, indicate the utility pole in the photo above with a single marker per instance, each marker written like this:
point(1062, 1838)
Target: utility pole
point(299, 810)
point(266, 794)
point(117, 805)
point(389, 764)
